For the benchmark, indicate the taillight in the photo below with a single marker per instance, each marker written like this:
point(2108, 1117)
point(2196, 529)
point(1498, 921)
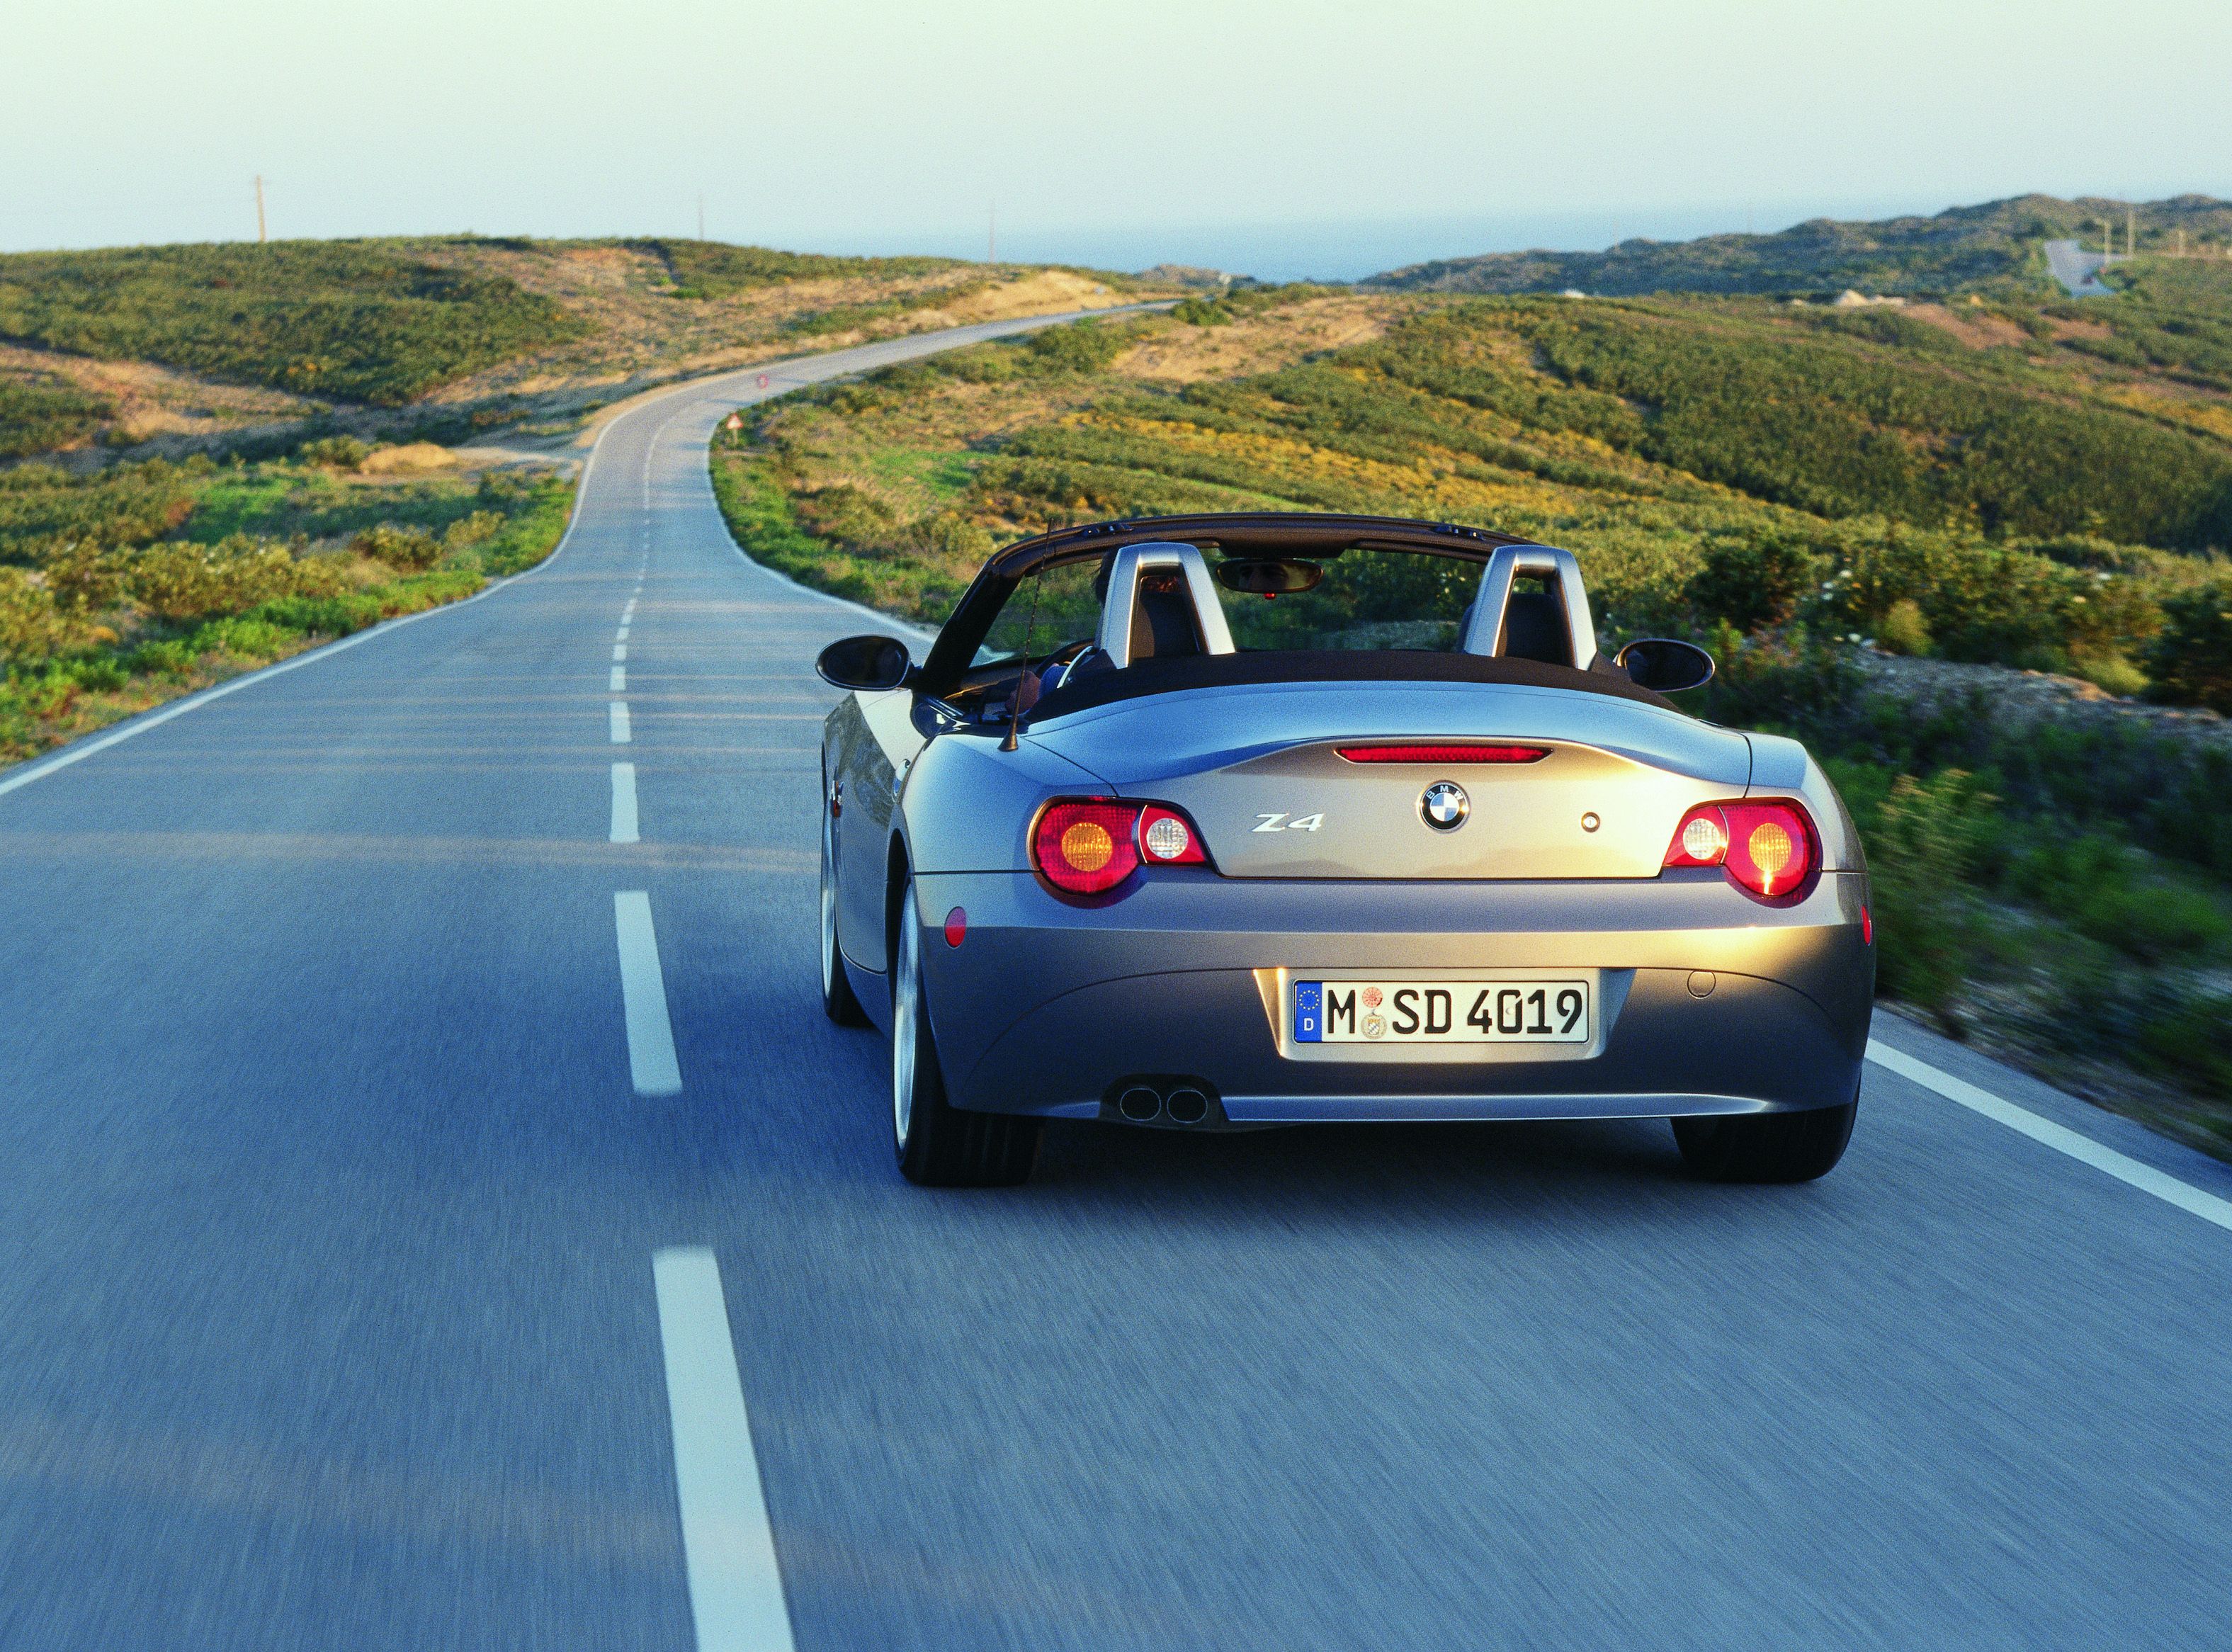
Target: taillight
point(1766, 848)
point(1089, 845)
point(1442, 751)
point(1167, 838)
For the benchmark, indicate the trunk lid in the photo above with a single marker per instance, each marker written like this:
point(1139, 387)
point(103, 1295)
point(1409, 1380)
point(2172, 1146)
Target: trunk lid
point(1256, 768)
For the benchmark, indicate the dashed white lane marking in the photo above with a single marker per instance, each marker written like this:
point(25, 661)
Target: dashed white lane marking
point(623, 815)
point(619, 651)
point(621, 635)
point(643, 995)
point(735, 1583)
point(621, 733)
point(2083, 1149)
point(619, 678)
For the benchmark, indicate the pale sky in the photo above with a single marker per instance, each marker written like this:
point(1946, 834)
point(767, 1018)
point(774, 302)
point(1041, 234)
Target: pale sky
point(854, 125)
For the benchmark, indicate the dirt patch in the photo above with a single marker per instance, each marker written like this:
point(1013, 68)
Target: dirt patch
point(2060, 327)
point(1263, 343)
point(1977, 329)
point(410, 459)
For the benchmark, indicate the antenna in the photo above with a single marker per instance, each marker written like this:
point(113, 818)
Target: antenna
point(260, 236)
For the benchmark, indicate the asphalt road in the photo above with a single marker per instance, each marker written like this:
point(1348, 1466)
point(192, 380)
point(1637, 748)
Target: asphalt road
point(2077, 271)
point(329, 1207)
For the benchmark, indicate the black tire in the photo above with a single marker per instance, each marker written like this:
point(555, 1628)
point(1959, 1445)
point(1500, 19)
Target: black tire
point(1767, 1147)
point(839, 1002)
point(939, 1145)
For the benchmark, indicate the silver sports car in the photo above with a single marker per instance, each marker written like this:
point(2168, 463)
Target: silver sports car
point(1213, 822)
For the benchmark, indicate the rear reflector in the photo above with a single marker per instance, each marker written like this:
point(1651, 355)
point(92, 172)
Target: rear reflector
point(957, 926)
point(1440, 752)
point(1767, 848)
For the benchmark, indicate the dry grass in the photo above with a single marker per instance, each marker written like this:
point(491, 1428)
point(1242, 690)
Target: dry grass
point(1975, 328)
point(1259, 344)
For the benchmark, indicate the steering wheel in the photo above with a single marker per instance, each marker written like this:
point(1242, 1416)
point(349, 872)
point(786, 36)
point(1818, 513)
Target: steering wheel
point(1063, 655)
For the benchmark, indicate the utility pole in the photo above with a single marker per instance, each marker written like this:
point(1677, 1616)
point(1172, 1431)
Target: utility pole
point(701, 215)
point(260, 236)
point(992, 233)
point(2130, 237)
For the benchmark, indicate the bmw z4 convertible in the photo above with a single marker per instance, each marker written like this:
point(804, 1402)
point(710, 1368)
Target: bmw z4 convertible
point(1218, 822)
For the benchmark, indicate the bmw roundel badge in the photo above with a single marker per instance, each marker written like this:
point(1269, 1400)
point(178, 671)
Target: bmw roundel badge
point(1445, 806)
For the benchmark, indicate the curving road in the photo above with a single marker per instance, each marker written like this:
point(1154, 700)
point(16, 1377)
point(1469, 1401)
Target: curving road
point(429, 1222)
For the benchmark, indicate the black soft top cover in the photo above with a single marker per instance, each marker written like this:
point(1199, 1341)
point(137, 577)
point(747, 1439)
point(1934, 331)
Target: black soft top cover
point(1168, 676)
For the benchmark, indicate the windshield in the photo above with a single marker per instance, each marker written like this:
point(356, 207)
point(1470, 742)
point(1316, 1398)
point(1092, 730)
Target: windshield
point(1366, 600)
point(1363, 599)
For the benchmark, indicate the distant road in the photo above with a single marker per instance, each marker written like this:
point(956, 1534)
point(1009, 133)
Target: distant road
point(2077, 269)
point(435, 1213)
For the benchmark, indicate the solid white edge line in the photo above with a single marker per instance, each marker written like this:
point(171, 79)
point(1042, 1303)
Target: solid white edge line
point(626, 827)
point(623, 734)
point(651, 1063)
point(2083, 1149)
point(735, 1582)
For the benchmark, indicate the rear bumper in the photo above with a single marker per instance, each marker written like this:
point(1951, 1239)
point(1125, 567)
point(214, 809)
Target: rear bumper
point(1048, 1008)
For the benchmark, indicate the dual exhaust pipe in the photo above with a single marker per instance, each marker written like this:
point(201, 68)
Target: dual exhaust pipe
point(1181, 1101)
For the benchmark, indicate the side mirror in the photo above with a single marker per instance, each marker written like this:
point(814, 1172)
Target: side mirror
point(870, 664)
point(1662, 663)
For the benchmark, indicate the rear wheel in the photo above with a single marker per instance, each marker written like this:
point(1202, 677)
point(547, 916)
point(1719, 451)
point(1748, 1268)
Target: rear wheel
point(939, 1145)
point(1767, 1147)
point(839, 1002)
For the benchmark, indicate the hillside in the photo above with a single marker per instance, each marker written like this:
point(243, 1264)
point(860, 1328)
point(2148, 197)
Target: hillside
point(169, 350)
point(1991, 248)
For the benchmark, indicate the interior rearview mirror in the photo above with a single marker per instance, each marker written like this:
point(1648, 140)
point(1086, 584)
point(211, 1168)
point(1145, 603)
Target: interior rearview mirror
point(870, 663)
point(1665, 665)
point(1268, 575)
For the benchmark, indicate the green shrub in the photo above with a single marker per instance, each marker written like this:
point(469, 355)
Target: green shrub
point(1078, 346)
point(32, 628)
point(405, 549)
point(1753, 583)
point(1922, 854)
point(340, 452)
point(2103, 888)
point(2187, 1041)
point(1903, 629)
point(2190, 662)
point(181, 581)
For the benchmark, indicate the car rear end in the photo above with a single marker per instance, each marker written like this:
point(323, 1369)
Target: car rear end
point(1295, 901)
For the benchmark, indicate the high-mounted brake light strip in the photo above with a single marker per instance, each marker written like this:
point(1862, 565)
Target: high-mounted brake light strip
point(1443, 752)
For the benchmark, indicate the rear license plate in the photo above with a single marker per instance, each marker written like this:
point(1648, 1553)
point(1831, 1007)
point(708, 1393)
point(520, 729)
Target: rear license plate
point(1441, 1012)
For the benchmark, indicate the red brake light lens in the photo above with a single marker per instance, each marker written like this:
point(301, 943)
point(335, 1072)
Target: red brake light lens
point(1086, 845)
point(1769, 849)
point(1444, 751)
point(1089, 845)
